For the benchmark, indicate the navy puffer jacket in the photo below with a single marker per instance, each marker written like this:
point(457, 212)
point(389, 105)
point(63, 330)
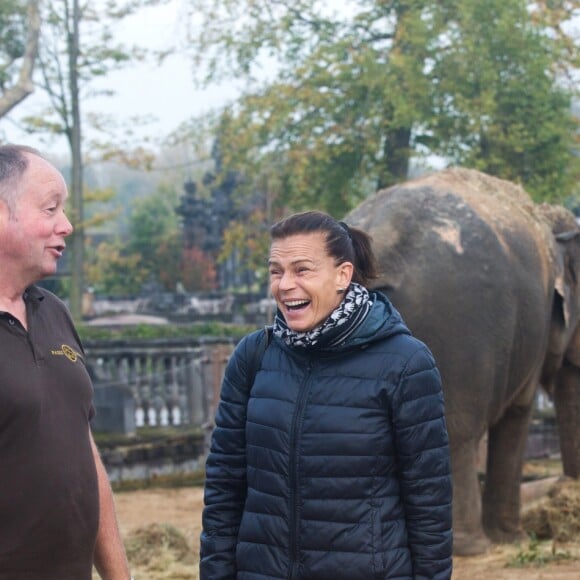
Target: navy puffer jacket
point(335, 466)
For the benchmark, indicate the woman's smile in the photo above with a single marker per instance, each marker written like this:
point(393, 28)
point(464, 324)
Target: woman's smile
point(305, 280)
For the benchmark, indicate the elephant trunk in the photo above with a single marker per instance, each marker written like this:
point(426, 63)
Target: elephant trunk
point(567, 402)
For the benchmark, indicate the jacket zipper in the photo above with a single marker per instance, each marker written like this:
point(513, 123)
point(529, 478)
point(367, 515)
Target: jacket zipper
point(293, 475)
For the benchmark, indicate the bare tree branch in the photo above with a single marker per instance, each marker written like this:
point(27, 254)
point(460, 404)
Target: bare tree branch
point(24, 86)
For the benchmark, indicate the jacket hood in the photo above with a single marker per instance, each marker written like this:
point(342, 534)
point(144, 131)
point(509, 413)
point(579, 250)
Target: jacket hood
point(382, 321)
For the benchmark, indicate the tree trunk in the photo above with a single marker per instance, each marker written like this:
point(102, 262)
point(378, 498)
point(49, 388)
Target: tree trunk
point(78, 240)
point(24, 86)
point(397, 154)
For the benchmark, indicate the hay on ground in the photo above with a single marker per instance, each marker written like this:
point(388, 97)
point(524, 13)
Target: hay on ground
point(153, 542)
point(558, 516)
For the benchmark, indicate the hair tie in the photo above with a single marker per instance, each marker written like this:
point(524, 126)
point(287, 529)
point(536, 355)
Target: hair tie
point(345, 227)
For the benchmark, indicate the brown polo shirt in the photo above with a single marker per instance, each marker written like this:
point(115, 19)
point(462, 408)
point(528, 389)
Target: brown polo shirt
point(48, 483)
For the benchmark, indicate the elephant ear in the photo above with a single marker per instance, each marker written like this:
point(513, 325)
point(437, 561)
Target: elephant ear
point(391, 277)
point(566, 271)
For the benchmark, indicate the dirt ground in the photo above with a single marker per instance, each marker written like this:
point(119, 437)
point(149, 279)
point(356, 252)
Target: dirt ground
point(181, 508)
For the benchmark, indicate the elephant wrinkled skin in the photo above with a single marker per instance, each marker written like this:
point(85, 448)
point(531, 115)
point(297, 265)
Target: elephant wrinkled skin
point(489, 280)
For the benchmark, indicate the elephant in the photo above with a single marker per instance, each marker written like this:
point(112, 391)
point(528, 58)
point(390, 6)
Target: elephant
point(489, 280)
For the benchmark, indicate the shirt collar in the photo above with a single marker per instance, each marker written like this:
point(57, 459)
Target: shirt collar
point(33, 293)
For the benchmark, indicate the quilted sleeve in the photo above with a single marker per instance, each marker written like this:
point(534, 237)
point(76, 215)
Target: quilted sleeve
point(424, 463)
point(225, 481)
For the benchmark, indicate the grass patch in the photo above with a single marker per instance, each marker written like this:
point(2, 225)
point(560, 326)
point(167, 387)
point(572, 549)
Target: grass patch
point(537, 554)
point(164, 331)
point(173, 481)
point(145, 435)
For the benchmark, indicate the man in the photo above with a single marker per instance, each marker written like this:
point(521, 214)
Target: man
point(56, 506)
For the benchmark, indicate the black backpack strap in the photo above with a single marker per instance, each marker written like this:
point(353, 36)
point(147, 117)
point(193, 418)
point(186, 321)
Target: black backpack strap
point(255, 360)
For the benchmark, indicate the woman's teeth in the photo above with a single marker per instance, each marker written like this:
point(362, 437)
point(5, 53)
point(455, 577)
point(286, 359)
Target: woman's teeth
point(296, 303)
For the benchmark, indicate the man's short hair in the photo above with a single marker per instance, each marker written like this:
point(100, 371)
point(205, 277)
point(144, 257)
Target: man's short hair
point(13, 164)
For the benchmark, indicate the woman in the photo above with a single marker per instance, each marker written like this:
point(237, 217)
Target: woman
point(333, 461)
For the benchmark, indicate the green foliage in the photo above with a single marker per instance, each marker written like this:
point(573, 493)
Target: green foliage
point(357, 95)
point(152, 220)
point(537, 554)
point(321, 129)
point(93, 199)
point(499, 107)
point(155, 236)
point(152, 250)
point(160, 331)
point(112, 189)
point(249, 241)
point(172, 481)
point(12, 36)
point(146, 436)
point(19, 33)
point(110, 271)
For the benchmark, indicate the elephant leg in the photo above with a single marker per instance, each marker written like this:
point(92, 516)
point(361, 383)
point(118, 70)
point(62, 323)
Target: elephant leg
point(468, 536)
point(567, 402)
point(501, 495)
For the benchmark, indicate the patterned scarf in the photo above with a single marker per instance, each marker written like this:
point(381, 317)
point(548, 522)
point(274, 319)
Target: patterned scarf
point(341, 323)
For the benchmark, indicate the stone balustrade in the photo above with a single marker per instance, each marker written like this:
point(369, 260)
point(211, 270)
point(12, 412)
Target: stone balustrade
point(156, 383)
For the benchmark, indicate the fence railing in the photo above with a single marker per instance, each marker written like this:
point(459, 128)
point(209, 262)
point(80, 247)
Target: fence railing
point(176, 382)
point(156, 382)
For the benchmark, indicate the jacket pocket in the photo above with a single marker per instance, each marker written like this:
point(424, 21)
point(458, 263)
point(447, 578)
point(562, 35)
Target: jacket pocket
point(377, 548)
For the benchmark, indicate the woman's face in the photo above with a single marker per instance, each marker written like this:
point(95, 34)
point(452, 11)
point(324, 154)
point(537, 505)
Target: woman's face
point(305, 281)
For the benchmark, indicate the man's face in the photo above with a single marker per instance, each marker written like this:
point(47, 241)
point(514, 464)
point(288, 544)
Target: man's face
point(32, 239)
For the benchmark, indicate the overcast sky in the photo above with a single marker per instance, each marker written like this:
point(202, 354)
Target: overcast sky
point(166, 92)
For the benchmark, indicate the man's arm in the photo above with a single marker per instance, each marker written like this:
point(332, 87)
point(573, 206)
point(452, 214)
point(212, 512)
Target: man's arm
point(110, 559)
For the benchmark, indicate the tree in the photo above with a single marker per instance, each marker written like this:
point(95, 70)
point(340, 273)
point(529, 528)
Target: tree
point(357, 95)
point(77, 47)
point(110, 271)
point(123, 265)
point(152, 251)
point(208, 211)
point(501, 102)
point(19, 32)
point(197, 270)
point(246, 243)
point(152, 222)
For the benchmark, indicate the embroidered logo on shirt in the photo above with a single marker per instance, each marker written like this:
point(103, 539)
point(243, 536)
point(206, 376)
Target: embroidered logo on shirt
point(67, 351)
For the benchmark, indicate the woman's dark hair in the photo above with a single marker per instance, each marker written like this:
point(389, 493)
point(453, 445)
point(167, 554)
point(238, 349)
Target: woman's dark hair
point(343, 243)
